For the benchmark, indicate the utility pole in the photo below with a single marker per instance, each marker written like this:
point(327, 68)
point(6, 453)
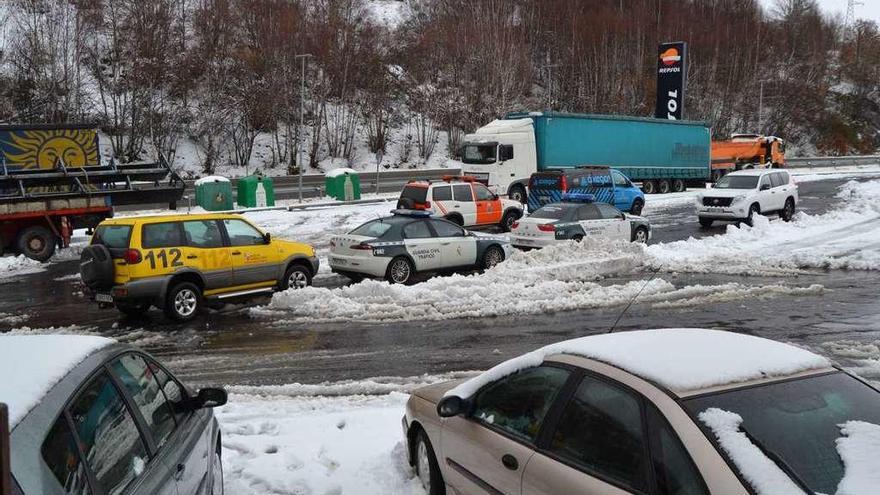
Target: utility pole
point(550, 68)
point(302, 117)
point(849, 23)
point(761, 110)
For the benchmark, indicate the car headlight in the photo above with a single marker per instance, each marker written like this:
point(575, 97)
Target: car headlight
point(737, 199)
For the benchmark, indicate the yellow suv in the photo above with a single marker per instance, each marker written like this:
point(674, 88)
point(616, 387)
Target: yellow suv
point(179, 262)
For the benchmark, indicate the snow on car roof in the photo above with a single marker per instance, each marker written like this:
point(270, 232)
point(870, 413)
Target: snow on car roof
point(30, 365)
point(682, 359)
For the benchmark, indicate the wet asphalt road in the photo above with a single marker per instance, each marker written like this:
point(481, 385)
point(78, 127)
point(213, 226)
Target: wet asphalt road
point(231, 347)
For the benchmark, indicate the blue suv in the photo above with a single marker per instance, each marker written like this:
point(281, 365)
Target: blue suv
point(606, 184)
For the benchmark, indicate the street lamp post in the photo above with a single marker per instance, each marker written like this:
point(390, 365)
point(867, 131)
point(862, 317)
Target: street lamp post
point(302, 117)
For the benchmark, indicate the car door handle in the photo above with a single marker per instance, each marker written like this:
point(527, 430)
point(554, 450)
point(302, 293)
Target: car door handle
point(191, 257)
point(510, 462)
point(445, 243)
point(236, 253)
point(457, 206)
point(181, 469)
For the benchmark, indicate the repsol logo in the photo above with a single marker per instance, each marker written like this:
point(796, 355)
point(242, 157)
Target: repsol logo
point(669, 70)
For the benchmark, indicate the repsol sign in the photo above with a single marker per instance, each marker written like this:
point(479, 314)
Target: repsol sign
point(671, 80)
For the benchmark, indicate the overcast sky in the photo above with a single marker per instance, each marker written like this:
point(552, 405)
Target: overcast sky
point(870, 9)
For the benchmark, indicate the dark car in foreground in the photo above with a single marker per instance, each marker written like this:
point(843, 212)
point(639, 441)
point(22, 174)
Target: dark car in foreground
point(90, 416)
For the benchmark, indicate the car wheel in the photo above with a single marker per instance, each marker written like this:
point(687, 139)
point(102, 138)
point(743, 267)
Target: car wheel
point(753, 210)
point(492, 257)
point(426, 466)
point(217, 474)
point(184, 301)
point(296, 277)
point(637, 207)
point(37, 243)
point(678, 185)
point(640, 235)
point(663, 186)
point(133, 309)
point(578, 238)
point(508, 220)
point(788, 210)
point(456, 219)
point(649, 187)
point(518, 193)
point(706, 222)
point(400, 271)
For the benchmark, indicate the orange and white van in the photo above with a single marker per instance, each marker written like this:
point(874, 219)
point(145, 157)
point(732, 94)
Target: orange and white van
point(462, 200)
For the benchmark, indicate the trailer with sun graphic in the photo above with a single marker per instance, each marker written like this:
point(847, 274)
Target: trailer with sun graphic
point(52, 181)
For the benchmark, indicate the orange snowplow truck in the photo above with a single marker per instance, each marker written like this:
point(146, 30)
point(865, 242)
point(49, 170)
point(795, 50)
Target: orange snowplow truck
point(746, 151)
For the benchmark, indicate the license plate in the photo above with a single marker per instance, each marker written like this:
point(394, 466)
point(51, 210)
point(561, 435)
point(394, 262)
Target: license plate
point(338, 261)
point(105, 298)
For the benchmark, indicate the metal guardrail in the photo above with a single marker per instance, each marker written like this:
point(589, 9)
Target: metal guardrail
point(831, 161)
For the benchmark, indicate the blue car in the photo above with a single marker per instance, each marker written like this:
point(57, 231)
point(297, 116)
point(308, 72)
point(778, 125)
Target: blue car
point(606, 184)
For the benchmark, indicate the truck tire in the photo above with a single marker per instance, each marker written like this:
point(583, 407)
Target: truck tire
point(678, 185)
point(518, 193)
point(717, 175)
point(96, 267)
point(663, 186)
point(649, 187)
point(37, 243)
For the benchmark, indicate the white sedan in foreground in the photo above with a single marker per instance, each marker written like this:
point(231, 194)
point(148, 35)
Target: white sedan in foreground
point(676, 411)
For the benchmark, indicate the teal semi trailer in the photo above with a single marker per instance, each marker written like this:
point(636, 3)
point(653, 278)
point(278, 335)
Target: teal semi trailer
point(664, 155)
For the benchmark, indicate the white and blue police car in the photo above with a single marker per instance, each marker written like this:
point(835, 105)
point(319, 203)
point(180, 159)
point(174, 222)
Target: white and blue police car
point(409, 242)
point(575, 217)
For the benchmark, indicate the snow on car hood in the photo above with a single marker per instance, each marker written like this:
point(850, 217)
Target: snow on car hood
point(30, 365)
point(682, 360)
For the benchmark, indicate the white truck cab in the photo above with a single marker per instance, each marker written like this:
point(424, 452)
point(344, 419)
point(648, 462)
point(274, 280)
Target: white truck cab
point(502, 156)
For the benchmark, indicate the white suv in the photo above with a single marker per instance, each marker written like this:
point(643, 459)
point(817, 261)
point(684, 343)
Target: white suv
point(739, 196)
point(461, 200)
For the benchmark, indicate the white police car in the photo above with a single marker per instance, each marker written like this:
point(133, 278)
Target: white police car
point(578, 216)
point(412, 241)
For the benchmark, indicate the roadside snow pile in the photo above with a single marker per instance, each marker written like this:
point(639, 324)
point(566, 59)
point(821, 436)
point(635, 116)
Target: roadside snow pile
point(370, 386)
point(861, 358)
point(315, 445)
point(13, 266)
point(842, 239)
point(680, 359)
point(762, 473)
point(860, 449)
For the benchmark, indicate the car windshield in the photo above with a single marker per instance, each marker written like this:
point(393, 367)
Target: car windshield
point(799, 421)
point(479, 153)
point(551, 212)
point(737, 182)
point(374, 228)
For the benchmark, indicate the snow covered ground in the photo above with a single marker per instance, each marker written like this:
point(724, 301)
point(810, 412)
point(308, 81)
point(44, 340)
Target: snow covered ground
point(326, 439)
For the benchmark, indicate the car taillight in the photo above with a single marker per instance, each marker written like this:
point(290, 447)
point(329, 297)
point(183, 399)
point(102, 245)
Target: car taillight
point(547, 227)
point(514, 225)
point(361, 247)
point(422, 206)
point(132, 256)
point(563, 183)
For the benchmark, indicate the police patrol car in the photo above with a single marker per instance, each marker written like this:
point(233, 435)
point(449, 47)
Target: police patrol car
point(412, 241)
point(575, 217)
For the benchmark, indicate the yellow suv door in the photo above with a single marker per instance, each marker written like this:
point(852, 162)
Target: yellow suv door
point(255, 262)
point(205, 251)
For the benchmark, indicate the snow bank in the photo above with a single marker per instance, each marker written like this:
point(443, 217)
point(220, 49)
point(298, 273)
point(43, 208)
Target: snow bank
point(13, 266)
point(859, 449)
point(32, 364)
point(370, 386)
point(845, 238)
point(761, 473)
point(315, 445)
point(336, 172)
point(678, 359)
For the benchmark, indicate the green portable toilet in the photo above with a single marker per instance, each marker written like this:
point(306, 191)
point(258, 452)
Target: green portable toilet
point(214, 193)
point(256, 191)
point(343, 184)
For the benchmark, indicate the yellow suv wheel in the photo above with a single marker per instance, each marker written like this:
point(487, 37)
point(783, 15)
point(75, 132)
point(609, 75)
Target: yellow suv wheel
point(184, 301)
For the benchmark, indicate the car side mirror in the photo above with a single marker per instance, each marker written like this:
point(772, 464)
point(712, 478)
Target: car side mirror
point(494, 197)
point(267, 238)
point(765, 187)
point(208, 398)
point(451, 406)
